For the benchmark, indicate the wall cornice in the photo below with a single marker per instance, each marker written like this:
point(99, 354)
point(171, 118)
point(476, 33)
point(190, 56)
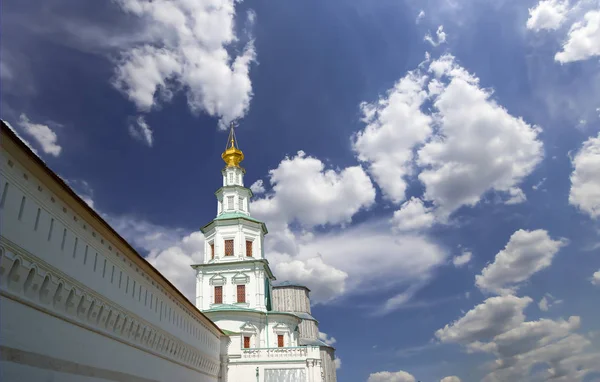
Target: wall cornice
point(29, 280)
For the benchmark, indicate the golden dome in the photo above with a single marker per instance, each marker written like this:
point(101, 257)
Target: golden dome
point(232, 155)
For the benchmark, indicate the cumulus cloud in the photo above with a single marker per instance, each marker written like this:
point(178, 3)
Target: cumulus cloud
point(25, 141)
point(338, 362)
point(516, 196)
point(498, 326)
point(440, 34)
point(450, 379)
point(479, 147)
point(596, 278)
point(526, 253)
point(42, 134)
point(494, 316)
point(395, 124)
point(585, 182)
point(461, 260)
point(465, 146)
point(188, 47)
point(326, 282)
point(583, 39)
point(328, 340)
point(362, 252)
point(258, 187)
point(413, 216)
point(141, 131)
point(303, 191)
point(389, 376)
point(547, 14)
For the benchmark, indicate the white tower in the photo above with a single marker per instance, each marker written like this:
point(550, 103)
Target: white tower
point(234, 273)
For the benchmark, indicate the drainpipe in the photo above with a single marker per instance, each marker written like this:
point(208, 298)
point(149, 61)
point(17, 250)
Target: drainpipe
point(257, 374)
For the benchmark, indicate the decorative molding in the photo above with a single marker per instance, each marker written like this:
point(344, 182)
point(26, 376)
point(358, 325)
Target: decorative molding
point(28, 280)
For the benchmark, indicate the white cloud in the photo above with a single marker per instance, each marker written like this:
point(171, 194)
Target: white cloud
point(389, 376)
point(328, 340)
point(494, 316)
point(547, 302)
point(498, 327)
point(395, 124)
point(596, 278)
point(174, 262)
point(583, 40)
point(543, 304)
point(420, 16)
point(440, 34)
point(22, 139)
point(141, 131)
point(325, 281)
point(304, 191)
point(450, 379)
point(547, 14)
point(372, 257)
point(585, 182)
point(516, 196)
point(479, 147)
point(463, 259)
point(465, 145)
point(257, 187)
point(526, 253)
point(338, 362)
point(187, 47)
point(413, 216)
point(43, 135)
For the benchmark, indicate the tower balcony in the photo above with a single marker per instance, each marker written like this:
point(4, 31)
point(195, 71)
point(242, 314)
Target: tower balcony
point(291, 354)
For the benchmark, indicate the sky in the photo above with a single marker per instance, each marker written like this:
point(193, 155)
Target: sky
point(429, 169)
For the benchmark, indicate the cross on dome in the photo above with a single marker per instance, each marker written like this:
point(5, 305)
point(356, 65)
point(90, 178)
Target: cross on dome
point(232, 154)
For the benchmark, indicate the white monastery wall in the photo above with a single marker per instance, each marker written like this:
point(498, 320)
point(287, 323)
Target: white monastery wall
point(101, 306)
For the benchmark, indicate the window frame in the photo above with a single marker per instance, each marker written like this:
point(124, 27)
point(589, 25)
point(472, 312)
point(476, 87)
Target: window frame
point(220, 294)
point(232, 241)
point(280, 341)
point(240, 296)
point(250, 244)
point(246, 342)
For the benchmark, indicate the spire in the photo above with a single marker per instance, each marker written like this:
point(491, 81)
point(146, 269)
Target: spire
point(232, 154)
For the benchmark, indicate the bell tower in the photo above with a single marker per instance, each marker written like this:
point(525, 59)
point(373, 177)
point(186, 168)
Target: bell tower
point(234, 270)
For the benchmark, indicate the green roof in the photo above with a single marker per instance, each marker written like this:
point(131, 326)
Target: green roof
point(234, 308)
point(229, 332)
point(236, 215)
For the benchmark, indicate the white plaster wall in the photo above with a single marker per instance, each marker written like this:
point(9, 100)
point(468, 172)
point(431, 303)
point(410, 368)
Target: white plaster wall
point(239, 233)
point(255, 287)
point(31, 330)
point(277, 324)
point(52, 234)
point(67, 242)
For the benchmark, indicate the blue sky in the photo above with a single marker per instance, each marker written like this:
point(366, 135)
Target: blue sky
point(430, 169)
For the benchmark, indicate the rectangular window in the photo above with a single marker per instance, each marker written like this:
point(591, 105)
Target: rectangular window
point(230, 178)
point(241, 203)
point(248, 248)
point(230, 203)
point(212, 250)
point(280, 340)
point(228, 247)
point(218, 294)
point(246, 342)
point(241, 293)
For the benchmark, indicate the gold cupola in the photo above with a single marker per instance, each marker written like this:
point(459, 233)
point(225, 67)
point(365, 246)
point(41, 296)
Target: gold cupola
point(232, 155)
